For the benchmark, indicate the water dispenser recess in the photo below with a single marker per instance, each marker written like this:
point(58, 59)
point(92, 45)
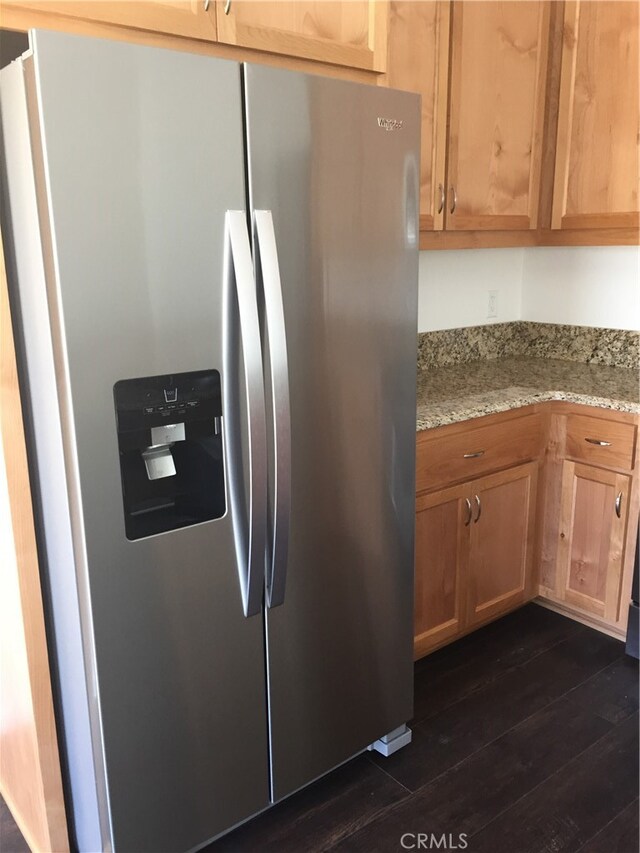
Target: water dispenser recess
point(171, 454)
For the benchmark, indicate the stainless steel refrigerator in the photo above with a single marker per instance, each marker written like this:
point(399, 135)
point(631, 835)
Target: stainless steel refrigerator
point(213, 271)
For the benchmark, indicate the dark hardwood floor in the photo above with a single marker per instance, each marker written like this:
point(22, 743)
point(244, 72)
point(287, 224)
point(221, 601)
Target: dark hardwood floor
point(11, 840)
point(525, 741)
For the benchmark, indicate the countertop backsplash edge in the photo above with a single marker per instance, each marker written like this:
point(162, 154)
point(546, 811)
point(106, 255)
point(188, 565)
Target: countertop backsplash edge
point(521, 338)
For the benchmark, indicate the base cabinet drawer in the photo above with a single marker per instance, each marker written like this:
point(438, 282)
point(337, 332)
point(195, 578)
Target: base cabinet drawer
point(600, 441)
point(464, 455)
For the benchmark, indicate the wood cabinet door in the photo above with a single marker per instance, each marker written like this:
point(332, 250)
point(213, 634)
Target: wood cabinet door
point(442, 544)
point(352, 34)
point(498, 78)
point(190, 18)
point(418, 61)
point(596, 178)
point(501, 548)
point(593, 521)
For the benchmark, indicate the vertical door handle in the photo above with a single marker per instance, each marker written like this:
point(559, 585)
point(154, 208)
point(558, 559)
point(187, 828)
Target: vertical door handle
point(454, 200)
point(239, 276)
point(442, 198)
point(479, 509)
point(227, 7)
point(207, 3)
point(268, 271)
point(469, 512)
point(619, 505)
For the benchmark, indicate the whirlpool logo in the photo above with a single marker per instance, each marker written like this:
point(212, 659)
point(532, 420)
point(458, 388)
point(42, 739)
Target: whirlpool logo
point(390, 123)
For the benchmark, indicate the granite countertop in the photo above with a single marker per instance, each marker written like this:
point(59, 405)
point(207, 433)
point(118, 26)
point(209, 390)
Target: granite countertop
point(459, 392)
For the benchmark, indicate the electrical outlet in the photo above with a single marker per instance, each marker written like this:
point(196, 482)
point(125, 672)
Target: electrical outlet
point(492, 304)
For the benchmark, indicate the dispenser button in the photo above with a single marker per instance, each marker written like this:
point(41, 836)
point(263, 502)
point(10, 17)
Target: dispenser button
point(170, 395)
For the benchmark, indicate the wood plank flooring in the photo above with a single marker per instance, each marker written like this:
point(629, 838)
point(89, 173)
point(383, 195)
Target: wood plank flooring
point(525, 741)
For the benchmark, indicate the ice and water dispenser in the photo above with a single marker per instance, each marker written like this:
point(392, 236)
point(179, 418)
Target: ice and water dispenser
point(171, 454)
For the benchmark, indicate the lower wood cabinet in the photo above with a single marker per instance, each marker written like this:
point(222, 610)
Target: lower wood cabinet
point(474, 547)
point(591, 542)
point(442, 551)
point(489, 538)
point(501, 543)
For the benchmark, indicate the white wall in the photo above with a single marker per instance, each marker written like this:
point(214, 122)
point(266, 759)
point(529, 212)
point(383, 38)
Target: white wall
point(454, 285)
point(582, 286)
point(586, 286)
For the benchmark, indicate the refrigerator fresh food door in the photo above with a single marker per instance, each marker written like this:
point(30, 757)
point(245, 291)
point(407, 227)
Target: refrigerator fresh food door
point(336, 164)
point(140, 168)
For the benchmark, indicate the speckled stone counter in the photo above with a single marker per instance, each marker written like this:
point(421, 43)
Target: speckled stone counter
point(459, 392)
point(613, 347)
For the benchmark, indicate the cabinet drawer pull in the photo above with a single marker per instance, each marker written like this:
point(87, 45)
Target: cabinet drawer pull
point(475, 455)
point(469, 512)
point(479, 506)
point(598, 442)
point(619, 505)
point(454, 200)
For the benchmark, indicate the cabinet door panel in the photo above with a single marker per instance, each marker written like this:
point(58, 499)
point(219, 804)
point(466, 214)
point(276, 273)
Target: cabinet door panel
point(596, 181)
point(419, 62)
point(501, 542)
point(591, 540)
point(442, 532)
point(352, 34)
point(176, 17)
point(498, 75)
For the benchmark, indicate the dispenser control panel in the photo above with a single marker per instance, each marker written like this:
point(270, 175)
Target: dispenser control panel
point(156, 400)
point(171, 451)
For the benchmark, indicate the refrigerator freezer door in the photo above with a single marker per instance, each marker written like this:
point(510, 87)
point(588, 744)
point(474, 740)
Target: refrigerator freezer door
point(142, 155)
point(337, 164)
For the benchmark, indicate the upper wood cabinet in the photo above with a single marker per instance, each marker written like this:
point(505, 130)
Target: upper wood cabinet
point(481, 68)
point(341, 34)
point(596, 177)
point(192, 18)
point(496, 114)
point(418, 61)
point(344, 33)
